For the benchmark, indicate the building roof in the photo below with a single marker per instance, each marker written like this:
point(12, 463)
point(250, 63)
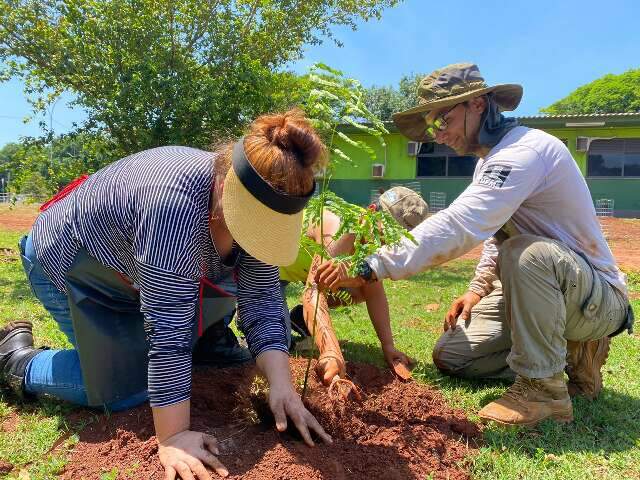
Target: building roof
point(582, 120)
point(585, 115)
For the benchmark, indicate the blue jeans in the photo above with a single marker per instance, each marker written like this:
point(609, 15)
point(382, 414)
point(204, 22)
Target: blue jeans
point(57, 373)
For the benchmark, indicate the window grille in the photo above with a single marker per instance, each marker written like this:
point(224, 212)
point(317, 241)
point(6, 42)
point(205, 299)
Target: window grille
point(437, 201)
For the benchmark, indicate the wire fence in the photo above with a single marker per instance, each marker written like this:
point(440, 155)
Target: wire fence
point(604, 207)
point(20, 198)
point(437, 201)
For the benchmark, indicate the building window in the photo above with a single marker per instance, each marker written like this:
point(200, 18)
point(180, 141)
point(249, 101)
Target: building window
point(434, 160)
point(616, 157)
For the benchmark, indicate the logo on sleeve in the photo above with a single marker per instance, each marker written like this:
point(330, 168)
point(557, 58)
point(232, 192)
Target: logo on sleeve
point(495, 176)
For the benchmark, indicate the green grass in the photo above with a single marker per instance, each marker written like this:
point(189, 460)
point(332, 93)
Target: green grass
point(602, 443)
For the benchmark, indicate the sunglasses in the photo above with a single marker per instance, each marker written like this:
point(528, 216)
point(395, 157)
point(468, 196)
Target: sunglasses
point(439, 124)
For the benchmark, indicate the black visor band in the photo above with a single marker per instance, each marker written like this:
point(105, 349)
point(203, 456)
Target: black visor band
point(261, 190)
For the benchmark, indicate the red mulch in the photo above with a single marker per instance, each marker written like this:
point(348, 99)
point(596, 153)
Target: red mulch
point(398, 431)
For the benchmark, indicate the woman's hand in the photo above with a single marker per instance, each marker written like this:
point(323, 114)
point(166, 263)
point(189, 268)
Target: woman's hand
point(284, 400)
point(333, 275)
point(287, 403)
point(461, 307)
point(184, 453)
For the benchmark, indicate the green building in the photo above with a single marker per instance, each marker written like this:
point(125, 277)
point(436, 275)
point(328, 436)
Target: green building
point(605, 146)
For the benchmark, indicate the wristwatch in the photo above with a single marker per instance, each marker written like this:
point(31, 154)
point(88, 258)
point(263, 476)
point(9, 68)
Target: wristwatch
point(366, 273)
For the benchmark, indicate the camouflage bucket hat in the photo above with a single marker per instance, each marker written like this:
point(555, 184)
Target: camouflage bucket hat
point(407, 207)
point(449, 86)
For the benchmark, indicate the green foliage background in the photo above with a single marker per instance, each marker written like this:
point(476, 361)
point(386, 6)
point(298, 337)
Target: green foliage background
point(387, 100)
point(162, 72)
point(155, 72)
point(608, 94)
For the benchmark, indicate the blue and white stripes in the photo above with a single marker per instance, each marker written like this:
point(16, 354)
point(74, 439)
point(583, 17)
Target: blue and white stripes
point(146, 216)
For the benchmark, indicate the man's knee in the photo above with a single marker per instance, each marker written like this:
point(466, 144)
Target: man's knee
point(441, 359)
point(521, 250)
point(450, 355)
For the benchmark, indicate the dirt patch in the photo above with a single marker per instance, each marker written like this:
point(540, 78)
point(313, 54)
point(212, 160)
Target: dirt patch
point(622, 235)
point(398, 431)
point(9, 423)
point(5, 467)
point(8, 255)
point(18, 218)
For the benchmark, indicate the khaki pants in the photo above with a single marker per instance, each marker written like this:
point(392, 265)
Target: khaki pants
point(548, 295)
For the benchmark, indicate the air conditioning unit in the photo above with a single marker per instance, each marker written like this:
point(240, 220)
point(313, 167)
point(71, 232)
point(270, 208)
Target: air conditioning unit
point(582, 144)
point(377, 170)
point(413, 148)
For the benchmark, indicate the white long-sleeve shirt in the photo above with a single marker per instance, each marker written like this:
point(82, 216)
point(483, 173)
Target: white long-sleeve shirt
point(530, 179)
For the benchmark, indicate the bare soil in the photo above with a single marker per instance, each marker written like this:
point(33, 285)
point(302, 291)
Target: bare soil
point(17, 218)
point(398, 431)
point(622, 234)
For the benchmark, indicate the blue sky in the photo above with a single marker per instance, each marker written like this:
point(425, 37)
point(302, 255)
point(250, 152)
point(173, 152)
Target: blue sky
point(550, 47)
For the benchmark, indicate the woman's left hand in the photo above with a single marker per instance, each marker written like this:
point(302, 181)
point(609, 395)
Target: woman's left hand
point(285, 402)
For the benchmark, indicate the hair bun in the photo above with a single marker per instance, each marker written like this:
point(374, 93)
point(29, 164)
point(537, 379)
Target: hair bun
point(292, 133)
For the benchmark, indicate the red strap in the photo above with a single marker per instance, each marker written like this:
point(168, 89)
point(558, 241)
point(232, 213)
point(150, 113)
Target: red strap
point(64, 192)
point(210, 284)
point(205, 281)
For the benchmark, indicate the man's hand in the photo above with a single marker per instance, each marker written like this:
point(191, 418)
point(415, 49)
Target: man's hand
point(285, 402)
point(333, 275)
point(183, 455)
point(461, 307)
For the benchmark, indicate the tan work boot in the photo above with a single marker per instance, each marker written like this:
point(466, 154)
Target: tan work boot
point(584, 362)
point(531, 400)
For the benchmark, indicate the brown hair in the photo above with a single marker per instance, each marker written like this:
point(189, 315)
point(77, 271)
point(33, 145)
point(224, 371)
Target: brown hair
point(283, 148)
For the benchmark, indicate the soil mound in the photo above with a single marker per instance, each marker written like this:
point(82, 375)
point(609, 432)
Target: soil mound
point(396, 431)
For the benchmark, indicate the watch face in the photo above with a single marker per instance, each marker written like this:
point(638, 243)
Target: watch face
point(365, 271)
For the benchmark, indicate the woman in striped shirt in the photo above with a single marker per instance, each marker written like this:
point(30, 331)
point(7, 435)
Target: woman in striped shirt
point(120, 262)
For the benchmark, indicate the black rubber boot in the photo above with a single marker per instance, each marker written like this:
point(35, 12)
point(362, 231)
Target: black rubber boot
point(219, 347)
point(298, 324)
point(16, 351)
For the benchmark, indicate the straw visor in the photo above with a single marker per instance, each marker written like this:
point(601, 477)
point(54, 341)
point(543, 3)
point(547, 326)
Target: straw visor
point(265, 234)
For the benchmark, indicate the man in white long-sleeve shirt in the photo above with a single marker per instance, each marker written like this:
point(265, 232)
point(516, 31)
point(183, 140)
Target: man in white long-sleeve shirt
point(546, 283)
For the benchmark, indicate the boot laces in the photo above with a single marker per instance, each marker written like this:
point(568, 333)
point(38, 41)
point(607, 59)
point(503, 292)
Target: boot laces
point(520, 387)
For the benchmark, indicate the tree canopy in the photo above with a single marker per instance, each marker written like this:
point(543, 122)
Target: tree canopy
point(385, 101)
point(40, 169)
point(608, 94)
point(158, 72)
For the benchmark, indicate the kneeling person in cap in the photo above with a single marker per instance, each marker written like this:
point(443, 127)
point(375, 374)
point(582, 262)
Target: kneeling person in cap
point(547, 289)
point(409, 209)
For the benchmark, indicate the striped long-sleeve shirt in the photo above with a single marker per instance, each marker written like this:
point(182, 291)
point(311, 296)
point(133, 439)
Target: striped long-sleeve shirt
point(147, 217)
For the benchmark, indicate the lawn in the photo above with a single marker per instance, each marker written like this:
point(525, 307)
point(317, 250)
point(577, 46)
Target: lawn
point(602, 442)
